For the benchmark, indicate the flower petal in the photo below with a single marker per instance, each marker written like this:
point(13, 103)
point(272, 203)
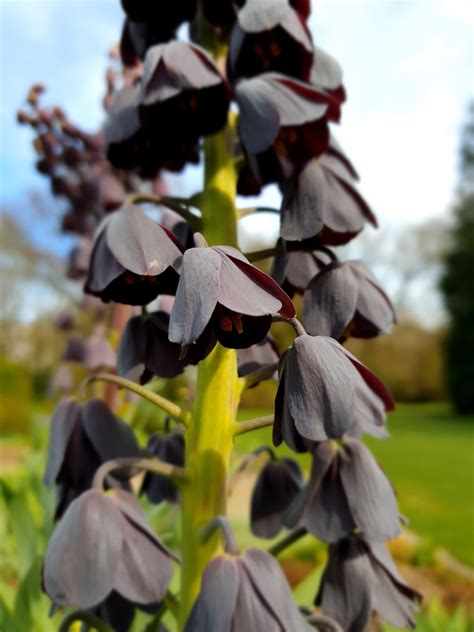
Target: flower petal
point(83, 556)
point(138, 243)
point(196, 296)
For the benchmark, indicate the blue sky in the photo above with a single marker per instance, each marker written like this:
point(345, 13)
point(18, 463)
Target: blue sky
point(408, 65)
point(409, 68)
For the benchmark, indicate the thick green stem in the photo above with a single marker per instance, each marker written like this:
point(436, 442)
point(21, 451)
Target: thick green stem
point(210, 434)
point(219, 215)
point(209, 441)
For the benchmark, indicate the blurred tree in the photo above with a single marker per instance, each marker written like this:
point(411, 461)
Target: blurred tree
point(457, 283)
point(33, 290)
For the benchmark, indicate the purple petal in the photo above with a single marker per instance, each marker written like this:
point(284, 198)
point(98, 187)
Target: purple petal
point(64, 421)
point(272, 588)
point(197, 294)
point(369, 493)
point(330, 301)
point(109, 435)
point(346, 594)
point(83, 556)
point(319, 389)
point(138, 243)
point(144, 571)
point(215, 606)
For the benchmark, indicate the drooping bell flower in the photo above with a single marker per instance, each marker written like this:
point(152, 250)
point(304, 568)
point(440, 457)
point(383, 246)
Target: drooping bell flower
point(220, 13)
point(277, 485)
point(270, 36)
point(169, 15)
point(345, 300)
point(218, 285)
point(61, 381)
point(302, 6)
point(103, 544)
point(247, 182)
point(65, 320)
point(360, 578)
point(294, 270)
point(81, 438)
point(326, 73)
point(283, 124)
point(127, 146)
point(132, 259)
point(183, 95)
point(118, 612)
point(99, 354)
point(138, 37)
point(78, 259)
point(321, 200)
point(146, 351)
point(347, 490)
point(323, 392)
point(248, 592)
point(257, 356)
point(169, 449)
point(75, 350)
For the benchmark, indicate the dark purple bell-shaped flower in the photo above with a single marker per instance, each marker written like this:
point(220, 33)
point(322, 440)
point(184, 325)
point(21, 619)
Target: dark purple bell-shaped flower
point(81, 438)
point(321, 200)
point(65, 321)
point(219, 286)
point(75, 350)
point(132, 147)
point(347, 490)
point(132, 259)
point(124, 140)
point(345, 300)
point(249, 592)
point(277, 485)
point(169, 15)
point(327, 73)
point(183, 95)
point(78, 260)
point(360, 578)
point(270, 37)
point(119, 612)
point(138, 37)
point(323, 392)
point(283, 124)
point(145, 350)
point(99, 354)
point(170, 449)
point(103, 544)
point(294, 270)
point(257, 356)
point(221, 13)
point(61, 381)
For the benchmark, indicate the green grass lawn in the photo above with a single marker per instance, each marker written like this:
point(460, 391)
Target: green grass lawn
point(430, 461)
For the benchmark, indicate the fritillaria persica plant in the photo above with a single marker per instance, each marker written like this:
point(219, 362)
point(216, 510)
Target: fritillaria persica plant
point(248, 95)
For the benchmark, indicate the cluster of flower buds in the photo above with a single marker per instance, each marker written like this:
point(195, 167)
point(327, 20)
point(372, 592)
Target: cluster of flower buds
point(75, 164)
